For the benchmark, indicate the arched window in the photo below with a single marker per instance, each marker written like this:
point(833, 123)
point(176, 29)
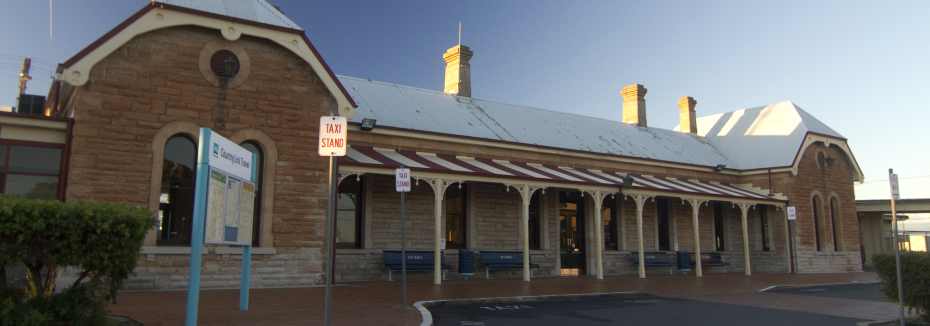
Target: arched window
point(176, 202)
point(837, 224)
point(818, 214)
point(349, 214)
point(257, 208)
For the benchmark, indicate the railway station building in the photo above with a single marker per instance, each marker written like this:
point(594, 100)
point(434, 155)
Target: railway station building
point(577, 195)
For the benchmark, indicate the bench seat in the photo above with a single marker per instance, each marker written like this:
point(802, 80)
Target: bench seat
point(654, 259)
point(503, 260)
point(416, 261)
point(710, 259)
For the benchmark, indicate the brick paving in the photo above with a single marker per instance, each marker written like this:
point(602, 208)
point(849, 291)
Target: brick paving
point(378, 303)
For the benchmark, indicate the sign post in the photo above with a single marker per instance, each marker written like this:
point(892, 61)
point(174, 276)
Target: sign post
point(896, 195)
point(793, 219)
point(223, 209)
point(332, 142)
point(402, 181)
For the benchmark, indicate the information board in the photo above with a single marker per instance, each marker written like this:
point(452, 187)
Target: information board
point(792, 213)
point(230, 194)
point(230, 205)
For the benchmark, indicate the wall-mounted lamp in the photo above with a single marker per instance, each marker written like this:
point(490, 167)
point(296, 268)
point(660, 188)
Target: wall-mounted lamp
point(830, 160)
point(230, 66)
point(720, 167)
point(627, 183)
point(368, 124)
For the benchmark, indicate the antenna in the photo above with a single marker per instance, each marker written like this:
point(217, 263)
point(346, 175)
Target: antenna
point(460, 33)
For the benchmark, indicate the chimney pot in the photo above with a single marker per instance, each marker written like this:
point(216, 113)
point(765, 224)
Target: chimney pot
point(688, 117)
point(634, 105)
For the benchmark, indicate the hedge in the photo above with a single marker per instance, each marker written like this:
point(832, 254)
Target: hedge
point(101, 240)
point(915, 273)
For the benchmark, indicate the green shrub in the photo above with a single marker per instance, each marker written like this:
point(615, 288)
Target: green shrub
point(915, 274)
point(101, 240)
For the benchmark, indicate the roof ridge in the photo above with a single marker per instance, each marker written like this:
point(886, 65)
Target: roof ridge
point(493, 101)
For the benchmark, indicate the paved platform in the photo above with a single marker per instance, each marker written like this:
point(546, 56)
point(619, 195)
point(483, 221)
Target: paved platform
point(378, 303)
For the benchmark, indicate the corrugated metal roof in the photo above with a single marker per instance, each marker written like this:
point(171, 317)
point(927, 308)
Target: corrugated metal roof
point(254, 10)
point(762, 137)
point(419, 109)
point(483, 167)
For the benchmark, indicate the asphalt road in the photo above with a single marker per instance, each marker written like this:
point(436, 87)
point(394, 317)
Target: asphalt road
point(636, 309)
point(845, 291)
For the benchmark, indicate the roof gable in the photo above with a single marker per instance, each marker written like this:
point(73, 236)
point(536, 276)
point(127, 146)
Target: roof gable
point(762, 137)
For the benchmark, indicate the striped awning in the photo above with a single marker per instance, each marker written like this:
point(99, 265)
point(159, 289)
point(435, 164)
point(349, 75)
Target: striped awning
point(477, 166)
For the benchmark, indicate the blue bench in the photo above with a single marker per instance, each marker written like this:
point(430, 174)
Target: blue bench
point(654, 259)
point(500, 260)
point(711, 259)
point(416, 261)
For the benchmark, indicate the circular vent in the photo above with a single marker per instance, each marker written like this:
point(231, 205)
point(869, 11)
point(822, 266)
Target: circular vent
point(219, 58)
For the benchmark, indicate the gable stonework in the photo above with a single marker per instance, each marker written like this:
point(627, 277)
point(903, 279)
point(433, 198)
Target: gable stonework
point(154, 80)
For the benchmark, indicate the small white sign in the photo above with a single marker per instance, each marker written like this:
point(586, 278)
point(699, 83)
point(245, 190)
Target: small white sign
point(402, 177)
point(895, 192)
point(332, 136)
point(792, 213)
point(442, 244)
point(229, 157)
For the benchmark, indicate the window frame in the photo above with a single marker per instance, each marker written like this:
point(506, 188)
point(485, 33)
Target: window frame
point(5, 169)
point(359, 212)
point(720, 239)
point(464, 216)
point(188, 224)
point(259, 179)
point(535, 217)
point(610, 225)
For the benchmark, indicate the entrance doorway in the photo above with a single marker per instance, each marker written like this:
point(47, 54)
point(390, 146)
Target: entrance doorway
point(571, 233)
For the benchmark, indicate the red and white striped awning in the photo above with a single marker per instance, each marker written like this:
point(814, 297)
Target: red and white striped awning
point(476, 166)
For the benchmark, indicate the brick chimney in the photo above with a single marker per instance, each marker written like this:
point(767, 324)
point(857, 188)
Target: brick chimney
point(634, 104)
point(688, 117)
point(458, 70)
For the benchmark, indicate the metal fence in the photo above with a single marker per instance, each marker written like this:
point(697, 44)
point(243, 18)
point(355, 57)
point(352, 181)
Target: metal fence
point(874, 242)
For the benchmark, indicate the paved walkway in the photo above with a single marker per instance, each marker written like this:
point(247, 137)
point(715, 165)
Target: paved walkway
point(378, 303)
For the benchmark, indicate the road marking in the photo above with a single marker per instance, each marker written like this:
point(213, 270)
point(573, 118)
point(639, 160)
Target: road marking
point(472, 323)
point(644, 301)
point(514, 307)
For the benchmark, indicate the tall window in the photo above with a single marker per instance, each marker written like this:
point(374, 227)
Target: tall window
point(719, 242)
point(30, 171)
point(257, 206)
point(764, 229)
point(177, 191)
point(609, 217)
point(663, 232)
point(455, 218)
point(816, 203)
point(349, 214)
point(837, 231)
point(534, 221)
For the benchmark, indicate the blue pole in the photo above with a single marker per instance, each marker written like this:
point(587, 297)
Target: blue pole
point(244, 287)
point(247, 258)
point(200, 201)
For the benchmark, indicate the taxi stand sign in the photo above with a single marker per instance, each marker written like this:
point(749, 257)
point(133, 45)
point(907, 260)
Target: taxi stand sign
point(218, 156)
point(332, 136)
point(332, 142)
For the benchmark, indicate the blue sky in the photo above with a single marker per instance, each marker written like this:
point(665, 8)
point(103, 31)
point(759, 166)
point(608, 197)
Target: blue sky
point(860, 67)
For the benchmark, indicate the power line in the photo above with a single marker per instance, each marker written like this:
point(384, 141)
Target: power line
point(885, 180)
